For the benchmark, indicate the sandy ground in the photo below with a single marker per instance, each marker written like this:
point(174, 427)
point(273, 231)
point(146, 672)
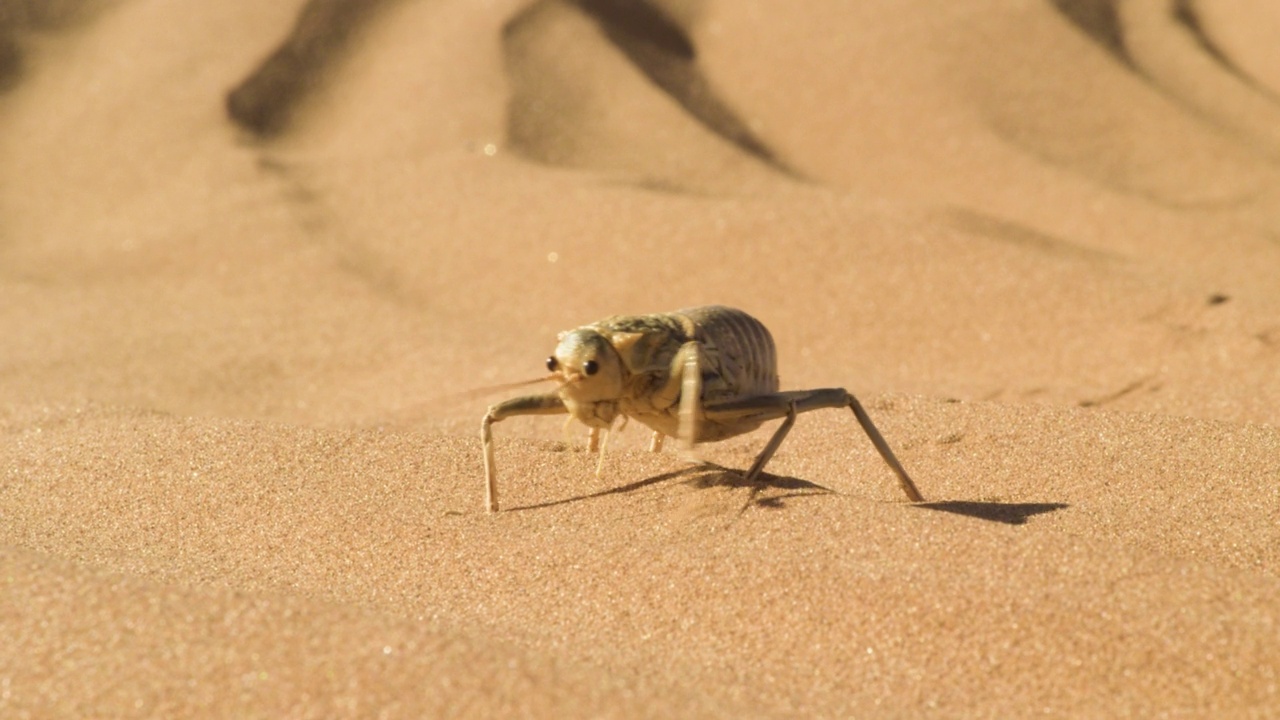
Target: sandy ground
point(256, 257)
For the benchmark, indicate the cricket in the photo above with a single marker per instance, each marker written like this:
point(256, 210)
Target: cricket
point(699, 375)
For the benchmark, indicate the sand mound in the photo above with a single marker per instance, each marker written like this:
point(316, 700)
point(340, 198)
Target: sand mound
point(256, 260)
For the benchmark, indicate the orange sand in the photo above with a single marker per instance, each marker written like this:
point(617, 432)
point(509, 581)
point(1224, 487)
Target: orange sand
point(243, 296)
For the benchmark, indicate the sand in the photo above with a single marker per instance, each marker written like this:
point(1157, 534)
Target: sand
point(259, 260)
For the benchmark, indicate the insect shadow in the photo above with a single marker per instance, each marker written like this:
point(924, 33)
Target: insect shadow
point(1007, 513)
point(710, 475)
point(707, 475)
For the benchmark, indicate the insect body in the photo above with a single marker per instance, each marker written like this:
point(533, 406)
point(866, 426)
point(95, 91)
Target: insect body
point(700, 375)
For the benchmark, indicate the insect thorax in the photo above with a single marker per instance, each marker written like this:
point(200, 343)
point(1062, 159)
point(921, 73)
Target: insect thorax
point(646, 343)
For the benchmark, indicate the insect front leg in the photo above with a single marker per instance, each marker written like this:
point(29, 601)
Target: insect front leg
point(550, 404)
point(790, 404)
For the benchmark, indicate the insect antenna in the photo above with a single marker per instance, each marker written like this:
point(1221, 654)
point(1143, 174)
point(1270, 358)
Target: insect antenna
point(480, 392)
point(410, 411)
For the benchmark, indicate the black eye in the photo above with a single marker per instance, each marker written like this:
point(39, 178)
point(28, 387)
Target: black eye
point(552, 364)
point(590, 367)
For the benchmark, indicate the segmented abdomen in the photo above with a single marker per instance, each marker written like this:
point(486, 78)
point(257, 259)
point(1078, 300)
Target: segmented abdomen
point(739, 352)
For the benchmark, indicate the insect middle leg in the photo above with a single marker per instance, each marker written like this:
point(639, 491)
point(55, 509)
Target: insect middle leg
point(655, 442)
point(788, 405)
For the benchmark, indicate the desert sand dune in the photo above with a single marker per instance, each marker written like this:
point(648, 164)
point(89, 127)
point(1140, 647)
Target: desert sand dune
point(257, 261)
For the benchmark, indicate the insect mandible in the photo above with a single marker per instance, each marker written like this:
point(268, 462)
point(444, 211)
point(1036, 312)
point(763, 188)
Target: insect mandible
point(700, 374)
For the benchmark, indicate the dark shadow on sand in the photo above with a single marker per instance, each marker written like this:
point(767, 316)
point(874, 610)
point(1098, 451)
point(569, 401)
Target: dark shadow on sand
point(1007, 513)
point(653, 42)
point(1101, 21)
point(708, 475)
point(264, 102)
point(21, 20)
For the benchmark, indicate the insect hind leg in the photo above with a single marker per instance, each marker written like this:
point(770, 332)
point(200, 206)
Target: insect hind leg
point(762, 408)
point(774, 442)
point(882, 447)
